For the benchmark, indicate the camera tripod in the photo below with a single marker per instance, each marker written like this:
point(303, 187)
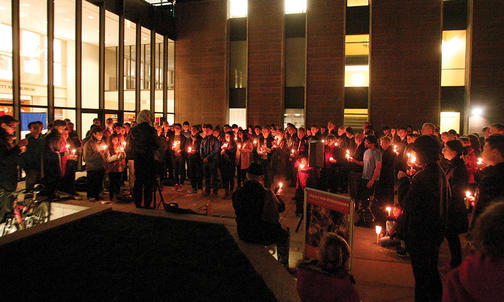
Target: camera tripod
point(156, 189)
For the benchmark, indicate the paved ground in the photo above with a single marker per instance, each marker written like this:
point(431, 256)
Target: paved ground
point(379, 273)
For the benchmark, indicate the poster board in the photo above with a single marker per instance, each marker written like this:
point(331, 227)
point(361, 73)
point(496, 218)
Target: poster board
point(326, 212)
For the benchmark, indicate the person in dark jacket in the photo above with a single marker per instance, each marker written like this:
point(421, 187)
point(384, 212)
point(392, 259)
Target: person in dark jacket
point(421, 224)
point(9, 157)
point(209, 152)
point(256, 209)
point(195, 171)
point(227, 163)
point(457, 175)
point(142, 145)
point(31, 159)
point(491, 186)
point(384, 194)
point(178, 143)
point(53, 151)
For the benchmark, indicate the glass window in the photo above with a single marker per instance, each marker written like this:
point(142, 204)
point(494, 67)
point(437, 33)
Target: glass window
point(238, 64)
point(30, 114)
point(294, 116)
point(87, 121)
point(357, 58)
point(171, 76)
point(295, 6)
point(355, 118)
point(129, 117)
point(90, 55)
point(111, 60)
point(61, 114)
point(453, 58)
point(5, 54)
point(129, 64)
point(238, 8)
point(357, 2)
point(33, 22)
point(145, 69)
point(295, 62)
point(238, 116)
point(64, 53)
point(159, 73)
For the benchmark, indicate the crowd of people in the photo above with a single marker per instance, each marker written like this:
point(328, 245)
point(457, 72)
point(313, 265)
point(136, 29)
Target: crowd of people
point(438, 176)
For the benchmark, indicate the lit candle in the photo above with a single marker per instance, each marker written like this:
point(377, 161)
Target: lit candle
point(323, 141)
point(104, 147)
point(413, 159)
point(468, 194)
point(292, 151)
point(480, 161)
point(255, 142)
point(378, 232)
point(395, 149)
point(409, 155)
point(67, 146)
point(239, 146)
point(336, 144)
point(73, 151)
point(301, 166)
point(331, 158)
point(124, 144)
point(280, 185)
point(389, 210)
point(347, 155)
point(189, 149)
point(122, 149)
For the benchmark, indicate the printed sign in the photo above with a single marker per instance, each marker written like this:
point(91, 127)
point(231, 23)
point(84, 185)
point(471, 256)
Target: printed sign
point(326, 212)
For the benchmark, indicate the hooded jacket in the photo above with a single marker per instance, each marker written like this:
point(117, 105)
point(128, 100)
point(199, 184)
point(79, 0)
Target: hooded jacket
point(478, 278)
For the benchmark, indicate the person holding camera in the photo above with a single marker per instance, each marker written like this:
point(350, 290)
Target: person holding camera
point(257, 214)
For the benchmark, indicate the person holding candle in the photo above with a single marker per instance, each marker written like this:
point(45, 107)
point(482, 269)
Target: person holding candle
point(355, 164)
point(327, 278)
point(54, 149)
point(69, 165)
point(178, 149)
point(479, 277)
point(280, 155)
point(243, 156)
point(116, 163)
point(95, 158)
point(264, 153)
point(195, 165)
point(227, 163)
point(423, 199)
point(491, 185)
point(291, 142)
point(470, 159)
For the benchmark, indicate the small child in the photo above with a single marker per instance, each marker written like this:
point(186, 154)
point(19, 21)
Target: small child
point(327, 279)
point(95, 152)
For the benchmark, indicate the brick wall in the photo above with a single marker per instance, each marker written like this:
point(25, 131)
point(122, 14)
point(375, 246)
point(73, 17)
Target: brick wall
point(265, 62)
point(486, 68)
point(405, 62)
point(200, 70)
point(325, 76)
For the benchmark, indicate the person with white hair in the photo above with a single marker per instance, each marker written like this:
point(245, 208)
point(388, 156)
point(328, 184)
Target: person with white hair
point(142, 145)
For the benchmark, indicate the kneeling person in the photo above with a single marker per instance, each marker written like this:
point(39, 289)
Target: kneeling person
point(256, 210)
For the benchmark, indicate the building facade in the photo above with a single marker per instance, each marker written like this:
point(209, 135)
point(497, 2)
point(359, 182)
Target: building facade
point(392, 62)
point(83, 59)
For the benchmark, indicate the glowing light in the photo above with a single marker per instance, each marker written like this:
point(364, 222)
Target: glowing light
point(189, 149)
point(238, 8)
point(480, 160)
point(104, 147)
point(295, 6)
point(476, 111)
point(255, 142)
point(389, 210)
point(73, 151)
point(292, 151)
point(90, 17)
point(122, 149)
point(451, 47)
point(280, 185)
point(301, 166)
point(331, 158)
point(67, 146)
point(378, 229)
point(468, 194)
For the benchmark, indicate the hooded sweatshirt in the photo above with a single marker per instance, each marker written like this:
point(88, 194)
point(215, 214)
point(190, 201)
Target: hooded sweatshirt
point(478, 278)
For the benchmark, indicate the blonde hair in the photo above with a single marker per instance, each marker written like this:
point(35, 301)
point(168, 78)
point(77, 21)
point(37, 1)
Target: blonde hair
point(342, 250)
point(145, 116)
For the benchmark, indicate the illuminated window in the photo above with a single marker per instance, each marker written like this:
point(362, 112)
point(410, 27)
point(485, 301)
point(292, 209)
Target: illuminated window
point(355, 117)
point(238, 8)
point(450, 120)
point(453, 58)
point(357, 57)
point(357, 2)
point(295, 6)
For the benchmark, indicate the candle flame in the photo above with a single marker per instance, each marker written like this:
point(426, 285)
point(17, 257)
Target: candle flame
point(468, 193)
point(302, 166)
point(389, 209)
point(280, 184)
point(480, 160)
point(378, 229)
